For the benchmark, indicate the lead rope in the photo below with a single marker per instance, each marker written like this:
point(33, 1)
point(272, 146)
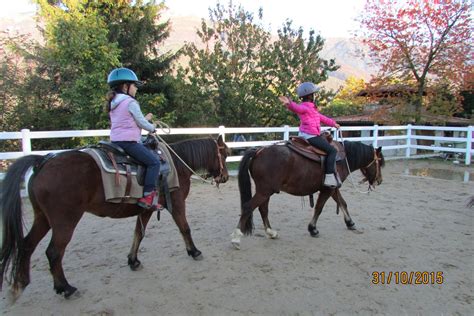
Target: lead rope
point(347, 164)
point(166, 129)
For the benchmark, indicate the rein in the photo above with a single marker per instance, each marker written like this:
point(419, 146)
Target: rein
point(221, 165)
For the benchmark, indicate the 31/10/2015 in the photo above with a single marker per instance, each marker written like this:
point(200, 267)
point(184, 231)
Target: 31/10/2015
point(407, 277)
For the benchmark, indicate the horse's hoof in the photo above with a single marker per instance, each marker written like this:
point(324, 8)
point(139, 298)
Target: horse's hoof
point(198, 257)
point(196, 254)
point(272, 234)
point(135, 265)
point(313, 231)
point(236, 244)
point(13, 295)
point(236, 234)
point(72, 294)
point(67, 291)
point(350, 225)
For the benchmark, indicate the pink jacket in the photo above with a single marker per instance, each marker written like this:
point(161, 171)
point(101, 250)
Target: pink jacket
point(310, 117)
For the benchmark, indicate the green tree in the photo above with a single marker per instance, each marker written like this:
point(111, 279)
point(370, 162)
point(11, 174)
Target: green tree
point(137, 29)
point(236, 78)
point(76, 57)
point(346, 101)
point(83, 41)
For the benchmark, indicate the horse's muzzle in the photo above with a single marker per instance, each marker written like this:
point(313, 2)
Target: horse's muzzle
point(221, 178)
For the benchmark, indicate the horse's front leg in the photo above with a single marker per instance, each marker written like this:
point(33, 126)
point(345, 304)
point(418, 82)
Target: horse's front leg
point(139, 234)
point(263, 208)
point(324, 195)
point(179, 216)
point(341, 203)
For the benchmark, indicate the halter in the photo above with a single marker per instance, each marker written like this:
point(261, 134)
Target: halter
point(221, 164)
point(376, 160)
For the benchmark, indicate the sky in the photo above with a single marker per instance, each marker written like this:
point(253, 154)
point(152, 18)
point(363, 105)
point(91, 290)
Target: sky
point(329, 18)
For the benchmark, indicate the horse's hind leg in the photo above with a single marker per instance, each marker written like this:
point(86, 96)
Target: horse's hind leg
point(343, 205)
point(142, 221)
point(245, 225)
point(62, 234)
point(38, 230)
point(263, 209)
point(324, 195)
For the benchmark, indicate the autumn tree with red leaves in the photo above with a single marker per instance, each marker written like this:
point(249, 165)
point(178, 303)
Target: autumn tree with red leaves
point(419, 41)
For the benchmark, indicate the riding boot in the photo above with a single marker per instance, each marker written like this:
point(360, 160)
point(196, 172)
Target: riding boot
point(330, 180)
point(148, 201)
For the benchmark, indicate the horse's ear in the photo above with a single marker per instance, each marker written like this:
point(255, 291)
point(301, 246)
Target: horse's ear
point(220, 140)
point(379, 150)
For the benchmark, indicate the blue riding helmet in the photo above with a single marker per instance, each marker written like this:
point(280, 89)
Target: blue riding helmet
point(122, 75)
point(306, 88)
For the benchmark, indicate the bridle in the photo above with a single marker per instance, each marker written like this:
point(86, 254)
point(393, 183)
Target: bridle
point(221, 163)
point(376, 160)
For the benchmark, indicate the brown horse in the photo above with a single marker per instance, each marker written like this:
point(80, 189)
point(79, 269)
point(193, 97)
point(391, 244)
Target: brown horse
point(278, 168)
point(62, 188)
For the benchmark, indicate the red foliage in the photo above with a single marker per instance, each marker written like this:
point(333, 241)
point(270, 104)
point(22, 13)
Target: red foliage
point(419, 39)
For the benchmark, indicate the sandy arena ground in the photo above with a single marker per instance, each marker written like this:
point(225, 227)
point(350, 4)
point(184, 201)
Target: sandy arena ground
point(411, 224)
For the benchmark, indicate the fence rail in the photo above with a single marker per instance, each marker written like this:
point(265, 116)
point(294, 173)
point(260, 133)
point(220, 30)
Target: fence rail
point(397, 141)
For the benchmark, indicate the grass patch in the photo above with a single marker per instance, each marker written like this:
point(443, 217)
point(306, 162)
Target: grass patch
point(234, 165)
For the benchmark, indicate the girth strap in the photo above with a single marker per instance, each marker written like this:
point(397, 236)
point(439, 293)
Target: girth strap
point(114, 163)
point(128, 186)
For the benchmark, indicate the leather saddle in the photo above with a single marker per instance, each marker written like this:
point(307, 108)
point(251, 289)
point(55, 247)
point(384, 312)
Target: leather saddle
point(304, 148)
point(115, 160)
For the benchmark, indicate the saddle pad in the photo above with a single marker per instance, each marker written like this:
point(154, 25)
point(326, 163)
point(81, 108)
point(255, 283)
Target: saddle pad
point(114, 192)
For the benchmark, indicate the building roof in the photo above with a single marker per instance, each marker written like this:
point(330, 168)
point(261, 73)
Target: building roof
point(369, 119)
point(388, 91)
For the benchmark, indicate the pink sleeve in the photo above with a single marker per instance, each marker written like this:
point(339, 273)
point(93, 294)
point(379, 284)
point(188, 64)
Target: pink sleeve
point(293, 107)
point(326, 120)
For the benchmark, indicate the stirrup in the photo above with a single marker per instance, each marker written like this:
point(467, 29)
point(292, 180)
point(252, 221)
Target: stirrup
point(330, 181)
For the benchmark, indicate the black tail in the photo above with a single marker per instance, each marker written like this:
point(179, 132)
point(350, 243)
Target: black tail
point(11, 214)
point(245, 188)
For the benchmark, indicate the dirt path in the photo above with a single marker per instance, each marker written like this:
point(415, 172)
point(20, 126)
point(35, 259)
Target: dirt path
point(410, 224)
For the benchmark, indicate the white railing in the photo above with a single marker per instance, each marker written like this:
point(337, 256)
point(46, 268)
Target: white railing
point(397, 141)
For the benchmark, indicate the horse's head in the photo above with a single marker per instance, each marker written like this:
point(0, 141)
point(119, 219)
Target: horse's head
point(373, 171)
point(218, 170)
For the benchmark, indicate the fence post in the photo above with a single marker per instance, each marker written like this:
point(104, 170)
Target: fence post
point(376, 134)
point(25, 142)
point(470, 130)
point(408, 150)
point(286, 133)
point(222, 132)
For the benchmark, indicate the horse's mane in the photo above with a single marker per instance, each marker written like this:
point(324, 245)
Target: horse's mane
point(197, 153)
point(360, 154)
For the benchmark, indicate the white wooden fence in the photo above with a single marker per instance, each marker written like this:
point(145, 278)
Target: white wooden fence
point(397, 141)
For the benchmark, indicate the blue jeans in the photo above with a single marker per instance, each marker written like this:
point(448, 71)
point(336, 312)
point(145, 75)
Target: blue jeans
point(144, 155)
point(322, 143)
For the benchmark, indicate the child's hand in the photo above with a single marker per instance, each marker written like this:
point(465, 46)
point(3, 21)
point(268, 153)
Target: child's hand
point(149, 116)
point(285, 100)
point(337, 126)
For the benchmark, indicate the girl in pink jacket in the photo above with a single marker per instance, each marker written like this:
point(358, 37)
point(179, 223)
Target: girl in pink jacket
point(310, 126)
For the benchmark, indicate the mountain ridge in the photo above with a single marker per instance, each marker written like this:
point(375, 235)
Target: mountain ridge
point(348, 53)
